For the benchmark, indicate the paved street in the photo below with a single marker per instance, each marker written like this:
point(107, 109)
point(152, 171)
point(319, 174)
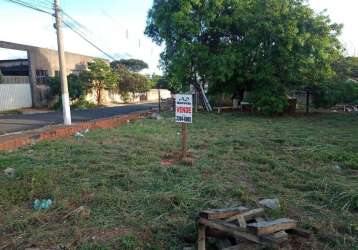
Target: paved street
point(16, 123)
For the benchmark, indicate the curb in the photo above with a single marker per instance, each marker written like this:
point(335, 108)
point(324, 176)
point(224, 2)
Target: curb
point(15, 141)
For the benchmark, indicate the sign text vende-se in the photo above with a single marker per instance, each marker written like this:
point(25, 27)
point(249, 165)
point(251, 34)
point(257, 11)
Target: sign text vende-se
point(184, 108)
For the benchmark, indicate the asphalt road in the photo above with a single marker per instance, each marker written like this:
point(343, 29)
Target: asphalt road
point(16, 123)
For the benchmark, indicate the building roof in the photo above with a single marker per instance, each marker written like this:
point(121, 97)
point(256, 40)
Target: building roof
point(23, 47)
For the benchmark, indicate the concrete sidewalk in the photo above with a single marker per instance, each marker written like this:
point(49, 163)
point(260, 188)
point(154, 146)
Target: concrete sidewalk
point(16, 123)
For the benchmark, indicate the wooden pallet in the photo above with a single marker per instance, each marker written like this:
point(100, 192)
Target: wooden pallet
point(248, 225)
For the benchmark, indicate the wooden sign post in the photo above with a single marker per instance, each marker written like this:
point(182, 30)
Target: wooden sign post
point(184, 115)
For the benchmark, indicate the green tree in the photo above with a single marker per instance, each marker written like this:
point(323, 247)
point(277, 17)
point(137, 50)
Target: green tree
point(77, 87)
point(99, 77)
point(164, 82)
point(343, 88)
point(131, 82)
point(347, 68)
point(133, 65)
point(267, 47)
point(331, 93)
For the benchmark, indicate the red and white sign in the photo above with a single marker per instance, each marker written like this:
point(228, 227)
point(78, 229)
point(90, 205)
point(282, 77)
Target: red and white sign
point(184, 108)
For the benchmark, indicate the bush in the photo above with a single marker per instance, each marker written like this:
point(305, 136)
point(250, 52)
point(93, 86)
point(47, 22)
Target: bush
point(76, 86)
point(79, 104)
point(83, 104)
point(269, 100)
point(329, 94)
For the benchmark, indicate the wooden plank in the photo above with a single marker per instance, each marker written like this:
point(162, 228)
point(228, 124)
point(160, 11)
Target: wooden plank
point(242, 221)
point(230, 228)
point(217, 214)
point(201, 237)
point(259, 219)
point(268, 227)
point(277, 238)
point(249, 215)
point(300, 232)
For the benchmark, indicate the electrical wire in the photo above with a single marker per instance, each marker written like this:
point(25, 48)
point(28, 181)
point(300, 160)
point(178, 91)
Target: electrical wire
point(44, 3)
point(80, 25)
point(88, 41)
point(28, 5)
point(74, 29)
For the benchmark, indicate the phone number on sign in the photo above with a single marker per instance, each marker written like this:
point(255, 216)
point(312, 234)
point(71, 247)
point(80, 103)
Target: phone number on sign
point(183, 119)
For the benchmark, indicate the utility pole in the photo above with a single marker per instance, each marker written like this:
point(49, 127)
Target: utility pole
point(62, 61)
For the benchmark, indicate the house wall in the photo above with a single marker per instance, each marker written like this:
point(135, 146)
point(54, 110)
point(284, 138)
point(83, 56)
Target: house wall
point(109, 97)
point(46, 60)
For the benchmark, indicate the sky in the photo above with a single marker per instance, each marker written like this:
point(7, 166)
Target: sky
point(117, 27)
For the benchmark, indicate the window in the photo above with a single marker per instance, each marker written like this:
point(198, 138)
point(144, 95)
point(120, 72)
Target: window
point(42, 76)
point(41, 73)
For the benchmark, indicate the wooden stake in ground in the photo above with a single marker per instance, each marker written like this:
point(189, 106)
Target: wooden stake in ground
point(184, 140)
point(184, 115)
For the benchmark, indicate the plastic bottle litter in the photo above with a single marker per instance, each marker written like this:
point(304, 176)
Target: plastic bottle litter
point(10, 172)
point(79, 135)
point(42, 204)
point(270, 203)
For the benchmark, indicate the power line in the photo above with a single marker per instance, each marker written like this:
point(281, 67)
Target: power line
point(80, 25)
point(78, 32)
point(82, 31)
point(44, 3)
point(28, 5)
point(88, 41)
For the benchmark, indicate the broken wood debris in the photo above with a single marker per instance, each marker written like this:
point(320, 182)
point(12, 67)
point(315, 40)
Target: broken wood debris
point(247, 226)
point(213, 214)
point(268, 227)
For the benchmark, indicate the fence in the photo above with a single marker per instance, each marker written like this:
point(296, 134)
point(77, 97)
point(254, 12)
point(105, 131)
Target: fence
point(15, 96)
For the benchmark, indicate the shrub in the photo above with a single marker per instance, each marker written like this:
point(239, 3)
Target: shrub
point(269, 99)
point(330, 94)
point(76, 86)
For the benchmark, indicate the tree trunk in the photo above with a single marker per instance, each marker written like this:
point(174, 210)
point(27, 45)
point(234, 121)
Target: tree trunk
point(99, 96)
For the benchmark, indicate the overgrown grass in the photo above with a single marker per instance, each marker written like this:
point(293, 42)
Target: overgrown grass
point(131, 201)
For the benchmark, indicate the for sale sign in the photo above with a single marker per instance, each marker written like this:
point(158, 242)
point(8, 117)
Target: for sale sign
point(184, 108)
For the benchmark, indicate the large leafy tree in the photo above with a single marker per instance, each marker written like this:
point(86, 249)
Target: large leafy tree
point(266, 47)
point(342, 89)
point(131, 82)
point(99, 77)
point(347, 68)
point(164, 82)
point(133, 65)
